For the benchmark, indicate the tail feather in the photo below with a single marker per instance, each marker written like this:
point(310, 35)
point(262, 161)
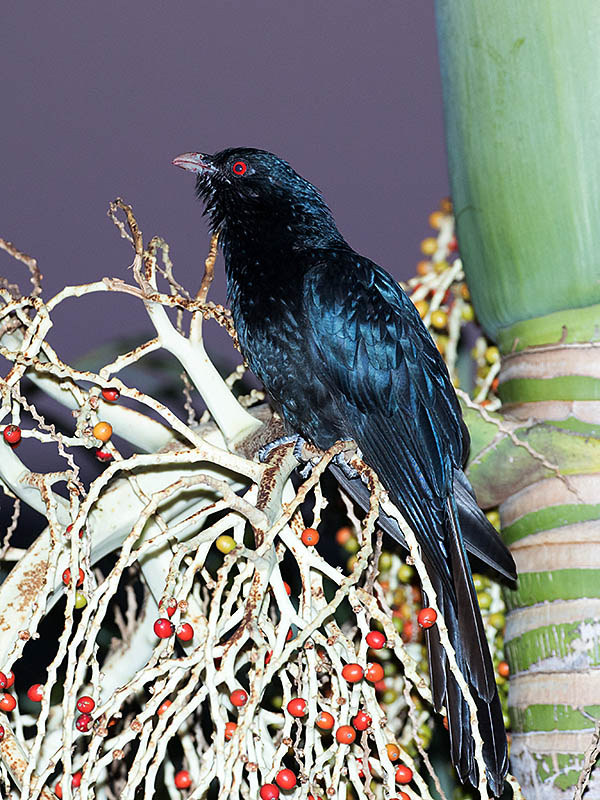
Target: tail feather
point(472, 635)
point(467, 636)
point(435, 521)
point(480, 538)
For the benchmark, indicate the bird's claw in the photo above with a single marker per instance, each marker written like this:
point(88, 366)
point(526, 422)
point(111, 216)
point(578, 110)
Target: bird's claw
point(267, 449)
point(349, 472)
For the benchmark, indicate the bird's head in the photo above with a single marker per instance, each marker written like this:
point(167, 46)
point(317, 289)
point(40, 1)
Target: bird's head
point(249, 192)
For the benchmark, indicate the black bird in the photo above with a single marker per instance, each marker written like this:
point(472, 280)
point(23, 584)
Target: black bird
point(343, 354)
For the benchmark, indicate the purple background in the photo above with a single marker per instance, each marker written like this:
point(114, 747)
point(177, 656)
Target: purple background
point(97, 98)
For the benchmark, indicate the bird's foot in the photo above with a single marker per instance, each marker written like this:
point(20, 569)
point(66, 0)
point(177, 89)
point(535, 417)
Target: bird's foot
point(349, 471)
point(298, 441)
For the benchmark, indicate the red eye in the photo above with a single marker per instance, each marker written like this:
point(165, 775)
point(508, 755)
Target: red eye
point(239, 168)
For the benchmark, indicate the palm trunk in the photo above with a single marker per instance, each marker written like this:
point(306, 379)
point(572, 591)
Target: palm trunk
point(522, 105)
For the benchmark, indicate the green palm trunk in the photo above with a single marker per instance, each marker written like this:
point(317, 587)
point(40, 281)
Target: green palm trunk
point(522, 105)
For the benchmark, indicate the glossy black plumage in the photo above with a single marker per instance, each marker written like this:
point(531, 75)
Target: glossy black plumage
point(343, 354)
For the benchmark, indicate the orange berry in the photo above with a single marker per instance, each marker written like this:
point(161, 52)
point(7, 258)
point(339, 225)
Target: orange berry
point(343, 535)
point(423, 267)
point(102, 431)
point(393, 751)
point(435, 219)
point(503, 669)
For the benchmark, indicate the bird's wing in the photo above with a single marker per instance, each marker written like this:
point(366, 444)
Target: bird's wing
point(380, 355)
point(395, 395)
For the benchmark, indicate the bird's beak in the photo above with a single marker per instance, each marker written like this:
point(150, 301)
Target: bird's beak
point(195, 162)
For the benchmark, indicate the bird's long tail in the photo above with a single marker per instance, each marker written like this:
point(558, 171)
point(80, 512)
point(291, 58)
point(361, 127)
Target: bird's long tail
point(467, 636)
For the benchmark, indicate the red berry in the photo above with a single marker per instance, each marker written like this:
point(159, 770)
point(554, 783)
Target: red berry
point(376, 639)
point(171, 607)
point(325, 721)
point(239, 697)
point(111, 395)
point(83, 722)
point(230, 730)
point(12, 434)
point(103, 455)
point(268, 791)
point(310, 537)
point(403, 774)
point(1, 732)
point(407, 631)
point(10, 678)
point(374, 672)
point(285, 779)
point(66, 577)
point(164, 628)
point(69, 528)
point(7, 702)
point(268, 656)
point(163, 707)
point(3, 681)
point(426, 617)
point(183, 779)
point(352, 673)
point(75, 781)
point(287, 587)
point(297, 707)
point(453, 245)
point(345, 734)
point(362, 721)
point(289, 635)
point(185, 632)
point(36, 692)
point(85, 704)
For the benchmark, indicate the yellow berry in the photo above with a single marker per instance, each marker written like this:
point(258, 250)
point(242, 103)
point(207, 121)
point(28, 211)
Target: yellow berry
point(467, 314)
point(429, 246)
point(102, 431)
point(497, 620)
point(441, 266)
point(464, 291)
point(422, 307)
point(80, 600)
point(494, 518)
point(385, 562)
point(435, 219)
point(405, 573)
point(225, 543)
point(492, 354)
point(446, 205)
point(439, 318)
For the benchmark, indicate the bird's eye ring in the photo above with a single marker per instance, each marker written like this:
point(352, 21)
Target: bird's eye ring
point(239, 168)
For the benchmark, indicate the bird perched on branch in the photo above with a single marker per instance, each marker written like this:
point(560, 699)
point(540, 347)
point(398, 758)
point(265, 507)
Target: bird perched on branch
point(343, 354)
